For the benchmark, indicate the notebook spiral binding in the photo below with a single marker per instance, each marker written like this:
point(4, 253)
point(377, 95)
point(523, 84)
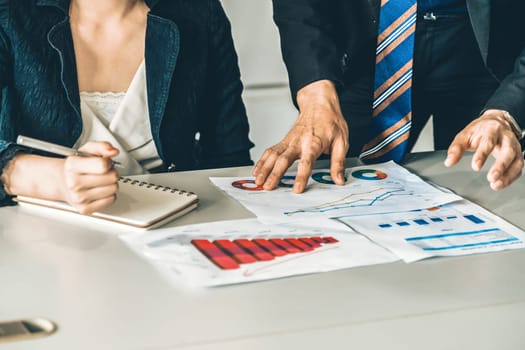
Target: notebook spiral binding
point(155, 186)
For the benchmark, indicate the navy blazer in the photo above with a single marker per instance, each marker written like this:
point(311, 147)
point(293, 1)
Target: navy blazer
point(336, 40)
point(193, 82)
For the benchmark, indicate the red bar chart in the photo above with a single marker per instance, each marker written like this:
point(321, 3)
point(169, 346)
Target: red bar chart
point(231, 254)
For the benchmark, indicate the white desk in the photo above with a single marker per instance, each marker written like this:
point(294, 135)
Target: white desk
point(102, 296)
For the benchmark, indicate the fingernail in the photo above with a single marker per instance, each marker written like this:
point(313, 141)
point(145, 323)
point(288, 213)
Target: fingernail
point(477, 165)
point(297, 186)
point(496, 185)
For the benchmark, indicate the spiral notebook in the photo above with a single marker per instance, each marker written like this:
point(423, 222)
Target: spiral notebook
point(139, 204)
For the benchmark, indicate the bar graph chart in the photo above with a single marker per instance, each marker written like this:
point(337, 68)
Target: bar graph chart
point(231, 254)
point(457, 228)
point(427, 218)
point(238, 251)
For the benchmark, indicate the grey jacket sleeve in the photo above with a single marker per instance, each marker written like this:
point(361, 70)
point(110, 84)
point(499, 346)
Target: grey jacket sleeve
point(510, 95)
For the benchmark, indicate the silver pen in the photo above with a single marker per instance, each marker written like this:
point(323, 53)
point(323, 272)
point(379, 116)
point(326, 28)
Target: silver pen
point(53, 148)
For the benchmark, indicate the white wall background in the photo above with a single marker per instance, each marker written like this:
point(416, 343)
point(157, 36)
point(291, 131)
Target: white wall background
point(266, 95)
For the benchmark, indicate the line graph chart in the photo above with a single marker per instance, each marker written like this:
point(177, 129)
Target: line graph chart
point(355, 200)
point(383, 188)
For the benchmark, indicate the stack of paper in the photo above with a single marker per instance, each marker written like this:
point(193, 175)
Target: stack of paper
point(383, 213)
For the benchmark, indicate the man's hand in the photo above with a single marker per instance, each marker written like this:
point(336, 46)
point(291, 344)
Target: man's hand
point(490, 134)
point(320, 128)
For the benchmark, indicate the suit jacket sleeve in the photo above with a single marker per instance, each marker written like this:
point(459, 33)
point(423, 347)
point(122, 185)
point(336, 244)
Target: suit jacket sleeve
point(510, 95)
point(308, 41)
point(8, 148)
point(224, 134)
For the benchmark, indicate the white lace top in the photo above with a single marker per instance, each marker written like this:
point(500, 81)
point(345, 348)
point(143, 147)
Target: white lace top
point(122, 118)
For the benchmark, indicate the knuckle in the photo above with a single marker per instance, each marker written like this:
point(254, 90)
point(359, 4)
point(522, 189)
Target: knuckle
point(107, 164)
point(274, 177)
point(73, 184)
point(285, 159)
point(306, 162)
point(114, 189)
point(338, 164)
point(69, 165)
point(114, 176)
point(105, 144)
point(112, 198)
point(318, 142)
point(78, 198)
point(272, 152)
point(75, 187)
point(261, 170)
point(83, 209)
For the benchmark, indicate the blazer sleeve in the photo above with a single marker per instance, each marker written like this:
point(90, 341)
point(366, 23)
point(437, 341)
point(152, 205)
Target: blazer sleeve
point(510, 95)
point(308, 41)
point(8, 148)
point(224, 135)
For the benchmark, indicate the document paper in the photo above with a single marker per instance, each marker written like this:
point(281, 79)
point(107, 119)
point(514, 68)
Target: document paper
point(458, 228)
point(381, 188)
point(228, 252)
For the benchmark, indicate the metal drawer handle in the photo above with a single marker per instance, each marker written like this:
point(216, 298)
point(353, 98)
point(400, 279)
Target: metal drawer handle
point(25, 329)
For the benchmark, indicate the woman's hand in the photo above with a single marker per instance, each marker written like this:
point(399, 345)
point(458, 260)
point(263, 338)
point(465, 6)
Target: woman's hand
point(87, 183)
point(91, 183)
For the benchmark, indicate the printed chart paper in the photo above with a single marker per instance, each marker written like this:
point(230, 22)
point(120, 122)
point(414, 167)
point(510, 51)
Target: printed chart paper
point(458, 228)
point(381, 188)
point(229, 252)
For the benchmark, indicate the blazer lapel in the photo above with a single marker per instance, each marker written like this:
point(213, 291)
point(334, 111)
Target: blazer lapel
point(162, 50)
point(479, 12)
point(61, 40)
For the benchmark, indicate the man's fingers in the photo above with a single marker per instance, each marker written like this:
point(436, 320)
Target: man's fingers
point(509, 162)
point(281, 164)
point(304, 169)
point(484, 149)
point(512, 174)
point(265, 165)
point(260, 163)
point(337, 161)
point(455, 151)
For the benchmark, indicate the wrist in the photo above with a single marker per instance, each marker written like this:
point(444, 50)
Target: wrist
point(318, 93)
point(5, 177)
point(507, 119)
point(22, 179)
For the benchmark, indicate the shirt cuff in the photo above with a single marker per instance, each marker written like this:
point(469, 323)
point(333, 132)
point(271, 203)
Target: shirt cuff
point(518, 131)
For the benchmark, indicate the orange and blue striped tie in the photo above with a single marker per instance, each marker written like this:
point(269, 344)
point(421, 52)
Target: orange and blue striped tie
point(392, 105)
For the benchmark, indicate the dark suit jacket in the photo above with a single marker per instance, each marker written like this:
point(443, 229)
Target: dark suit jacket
point(193, 82)
point(335, 39)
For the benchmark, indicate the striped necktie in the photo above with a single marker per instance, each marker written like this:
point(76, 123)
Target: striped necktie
point(392, 104)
